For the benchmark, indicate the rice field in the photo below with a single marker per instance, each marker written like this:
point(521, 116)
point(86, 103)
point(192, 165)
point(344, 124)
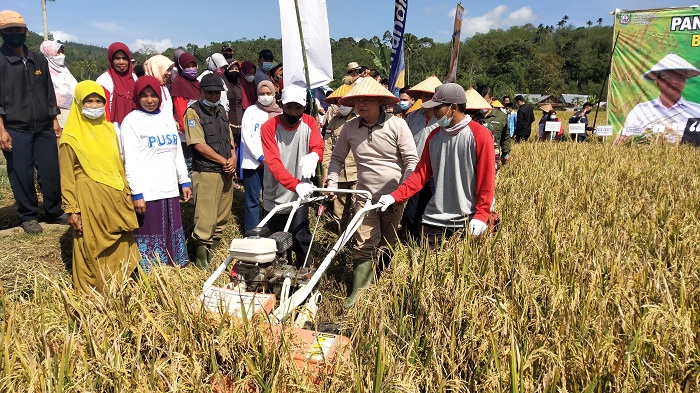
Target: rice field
point(591, 285)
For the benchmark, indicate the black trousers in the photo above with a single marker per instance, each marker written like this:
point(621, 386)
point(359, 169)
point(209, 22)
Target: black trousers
point(415, 206)
point(30, 150)
point(435, 235)
point(299, 229)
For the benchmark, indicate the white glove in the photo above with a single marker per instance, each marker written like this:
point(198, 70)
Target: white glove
point(386, 200)
point(477, 227)
point(308, 165)
point(304, 190)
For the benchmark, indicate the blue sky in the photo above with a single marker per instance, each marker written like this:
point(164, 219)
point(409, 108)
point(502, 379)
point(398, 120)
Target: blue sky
point(177, 22)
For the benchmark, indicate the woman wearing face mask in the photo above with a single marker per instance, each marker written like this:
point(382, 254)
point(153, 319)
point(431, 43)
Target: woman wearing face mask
point(118, 81)
point(347, 177)
point(155, 166)
point(249, 96)
point(551, 116)
point(185, 91)
point(96, 194)
point(217, 65)
point(63, 81)
point(252, 164)
point(277, 78)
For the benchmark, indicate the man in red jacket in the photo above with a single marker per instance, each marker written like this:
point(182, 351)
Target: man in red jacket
point(292, 146)
point(459, 154)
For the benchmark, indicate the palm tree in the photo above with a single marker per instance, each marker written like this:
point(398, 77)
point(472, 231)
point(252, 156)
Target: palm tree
point(600, 21)
point(43, 14)
point(589, 23)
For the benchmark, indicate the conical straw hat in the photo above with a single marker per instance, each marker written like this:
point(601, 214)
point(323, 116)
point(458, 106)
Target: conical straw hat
point(672, 62)
point(427, 86)
point(416, 105)
point(475, 100)
point(368, 88)
point(338, 93)
point(496, 104)
point(546, 107)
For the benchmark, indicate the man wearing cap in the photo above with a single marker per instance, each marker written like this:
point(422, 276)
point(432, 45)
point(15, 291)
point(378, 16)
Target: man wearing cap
point(668, 114)
point(385, 155)
point(292, 146)
point(497, 122)
point(28, 125)
point(265, 63)
point(213, 166)
point(353, 72)
point(347, 177)
point(227, 51)
point(459, 155)
point(421, 122)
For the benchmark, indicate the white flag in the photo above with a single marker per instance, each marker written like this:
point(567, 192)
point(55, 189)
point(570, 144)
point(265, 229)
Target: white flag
point(314, 24)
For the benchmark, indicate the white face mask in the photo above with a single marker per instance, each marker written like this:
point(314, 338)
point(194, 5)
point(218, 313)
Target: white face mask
point(344, 110)
point(93, 113)
point(250, 78)
point(59, 60)
point(266, 100)
point(552, 117)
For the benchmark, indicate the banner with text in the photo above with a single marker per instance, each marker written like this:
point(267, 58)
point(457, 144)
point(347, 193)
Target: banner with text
point(314, 26)
point(654, 85)
point(454, 44)
point(398, 66)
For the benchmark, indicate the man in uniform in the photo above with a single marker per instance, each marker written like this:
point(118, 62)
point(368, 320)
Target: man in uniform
point(347, 177)
point(28, 125)
point(213, 166)
point(497, 122)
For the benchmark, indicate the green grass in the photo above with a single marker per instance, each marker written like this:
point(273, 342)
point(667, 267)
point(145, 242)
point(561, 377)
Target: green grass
point(591, 285)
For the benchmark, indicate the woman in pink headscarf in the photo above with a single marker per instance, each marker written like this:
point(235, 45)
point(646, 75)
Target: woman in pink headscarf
point(63, 81)
point(161, 68)
point(118, 82)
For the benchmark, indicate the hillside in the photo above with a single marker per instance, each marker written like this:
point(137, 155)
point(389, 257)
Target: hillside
point(542, 59)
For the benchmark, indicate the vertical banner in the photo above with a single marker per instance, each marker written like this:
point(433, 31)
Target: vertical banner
point(398, 66)
point(654, 88)
point(314, 25)
point(454, 44)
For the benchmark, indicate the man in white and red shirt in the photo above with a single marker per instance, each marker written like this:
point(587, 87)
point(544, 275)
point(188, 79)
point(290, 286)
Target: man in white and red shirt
point(459, 154)
point(292, 145)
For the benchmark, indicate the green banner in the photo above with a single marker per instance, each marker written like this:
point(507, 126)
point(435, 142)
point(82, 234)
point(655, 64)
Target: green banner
point(654, 86)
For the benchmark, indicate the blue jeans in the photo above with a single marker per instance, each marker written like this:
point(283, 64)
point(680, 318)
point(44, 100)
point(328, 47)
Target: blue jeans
point(252, 184)
point(34, 150)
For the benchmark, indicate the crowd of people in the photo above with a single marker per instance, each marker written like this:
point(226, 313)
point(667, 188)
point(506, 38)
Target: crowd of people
point(131, 148)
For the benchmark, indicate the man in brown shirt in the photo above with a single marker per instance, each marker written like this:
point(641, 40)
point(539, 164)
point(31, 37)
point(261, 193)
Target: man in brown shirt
point(385, 154)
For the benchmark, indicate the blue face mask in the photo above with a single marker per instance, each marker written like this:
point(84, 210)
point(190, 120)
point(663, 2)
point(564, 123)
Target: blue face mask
point(267, 66)
point(444, 121)
point(404, 104)
point(211, 104)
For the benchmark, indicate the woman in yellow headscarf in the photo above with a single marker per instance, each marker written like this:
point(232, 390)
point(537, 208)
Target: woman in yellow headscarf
point(95, 194)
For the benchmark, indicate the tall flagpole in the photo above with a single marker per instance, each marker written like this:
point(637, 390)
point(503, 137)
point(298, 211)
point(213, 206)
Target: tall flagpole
point(314, 108)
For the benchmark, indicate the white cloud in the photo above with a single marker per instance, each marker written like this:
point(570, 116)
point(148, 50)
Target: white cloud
point(520, 16)
point(497, 18)
point(109, 27)
point(62, 36)
point(141, 45)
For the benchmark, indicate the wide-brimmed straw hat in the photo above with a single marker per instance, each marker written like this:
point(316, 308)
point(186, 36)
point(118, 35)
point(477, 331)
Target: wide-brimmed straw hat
point(672, 62)
point(338, 94)
point(427, 86)
point(368, 88)
point(475, 100)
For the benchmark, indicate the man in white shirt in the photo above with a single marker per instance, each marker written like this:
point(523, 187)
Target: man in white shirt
point(668, 114)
